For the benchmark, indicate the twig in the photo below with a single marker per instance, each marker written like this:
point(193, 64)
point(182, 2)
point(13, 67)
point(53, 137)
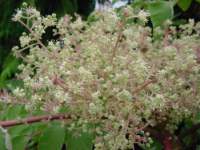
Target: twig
point(119, 36)
point(58, 81)
point(34, 119)
point(38, 41)
point(25, 48)
point(166, 37)
point(116, 45)
point(143, 86)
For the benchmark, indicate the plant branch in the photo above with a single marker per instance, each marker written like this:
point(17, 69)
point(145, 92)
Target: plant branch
point(34, 119)
point(116, 44)
point(143, 86)
point(119, 36)
point(166, 37)
point(38, 41)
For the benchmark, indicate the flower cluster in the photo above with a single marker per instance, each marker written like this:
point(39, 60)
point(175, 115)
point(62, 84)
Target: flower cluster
point(111, 73)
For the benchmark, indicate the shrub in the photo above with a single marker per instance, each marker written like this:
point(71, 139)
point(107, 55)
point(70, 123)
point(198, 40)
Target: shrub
point(111, 76)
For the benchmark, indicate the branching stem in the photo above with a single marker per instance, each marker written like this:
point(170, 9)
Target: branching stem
point(36, 38)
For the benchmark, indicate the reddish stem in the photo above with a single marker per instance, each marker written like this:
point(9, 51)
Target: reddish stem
point(167, 142)
point(166, 37)
point(143, 86)
point(33, 119)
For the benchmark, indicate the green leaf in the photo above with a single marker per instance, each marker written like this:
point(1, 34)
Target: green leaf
point(198, 147)
point(197, 117)
point(13, 84)
point(67, 7)
point(9, 67)
point(198, 1)
point(19, 130)
point(184, 4)
point(139, 4)
point(19, 142)
point(52, 138)
point(2, 141)
point(20, 136)
point(155, 145)
point(15, 112)
point(30, 2)
point(81, 142)
point(160, 11)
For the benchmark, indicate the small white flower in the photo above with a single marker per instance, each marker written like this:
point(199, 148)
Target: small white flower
point(56, 109)
point(18, 92)
point(36, 98)
point(18, 15)
point(142, 15)
point(24, 40)
point(96, 95)
point(124, 95)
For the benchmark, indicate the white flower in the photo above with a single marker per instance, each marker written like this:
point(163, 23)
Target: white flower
point(36, 98)
point(85, 73)
point(142, 15)
point(18, 92)
point(92, 108)
point(18, 15)
point(56, 109)
point(49, 21)
point(62, 96)
point(96, 95)
point(24, 40)
point(33, 12)
point(39, 30)
point(78, 24)
point(124, 95)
